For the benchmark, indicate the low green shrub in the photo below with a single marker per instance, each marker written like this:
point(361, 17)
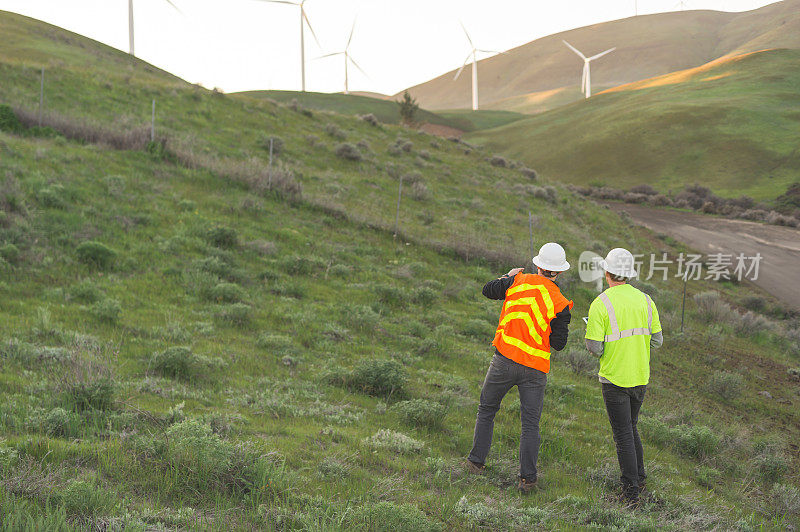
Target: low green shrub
point(421, 413)
point(52, 197)
point(726, 386)
point(85, 292)
point(236, 314)
point(87, 386)
point(200, 460)
point(379, 378)
point(424, 296)
point(85, 499)
point(387, 516)
point(222, 237)
point(8, 120)
point(707, 476)
point(297, 265)
point(55, 422)
point(359, 317)
point(478, 329)
point(348, 151)
point(96, 254)
point(580, 362)
point(754, 303)
point(107, 311)
point(9, 253)
point(226, 293)
point(783, 500)
point(771, 464)
point(697, 441)
point(182, 363)
point(391, 296)
point(393, 441)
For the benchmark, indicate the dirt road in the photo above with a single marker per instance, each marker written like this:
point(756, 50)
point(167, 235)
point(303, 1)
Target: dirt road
point(779, 273)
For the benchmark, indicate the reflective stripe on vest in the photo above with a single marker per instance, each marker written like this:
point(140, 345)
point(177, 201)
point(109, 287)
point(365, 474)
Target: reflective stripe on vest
point(523, 333)
point(616, 334)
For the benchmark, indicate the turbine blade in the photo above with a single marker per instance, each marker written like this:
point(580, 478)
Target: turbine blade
point(466, 61)
point(489, 51)
point(280, 2)
point(174, 6)
point(601, 54)
point(574, 49)
point(329, 55)
point(308, 23)
point(356, 65)
point(350, 39)
point(467, 34)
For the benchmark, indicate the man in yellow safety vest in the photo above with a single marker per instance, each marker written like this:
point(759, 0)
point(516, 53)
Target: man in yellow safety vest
point(623, 324)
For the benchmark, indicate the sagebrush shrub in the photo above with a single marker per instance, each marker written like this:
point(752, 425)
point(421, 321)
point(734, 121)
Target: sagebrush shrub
point(783, 500)
point(499, 161)
point(8, 120)
point(388, 516)
point(52, 197)
point(348, 151)
point(55, 422)
point(478, 329)
point(359, 317)
point(424, 296)
point(226, 293)
point(712, 308)
point(392, 296)
point(335, 132)
point(393, 441)
point(86, 499)
point(182, 363)
point(107, 311)
point(727, 386)
point(297, 265)
point(530, 173)
point(238, 314)
point(96, 254)
point(370, 119)
point(10, 253)
point(420, 413)
point(222, 237)
point(420, 192)
point(87, 385)
point(750, 324)
point(277, 144)
point(379, 378)
point(85, 292)
point(580, 362)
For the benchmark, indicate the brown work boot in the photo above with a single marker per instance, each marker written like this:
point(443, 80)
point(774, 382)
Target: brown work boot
point(526, 486)
point(473, 467)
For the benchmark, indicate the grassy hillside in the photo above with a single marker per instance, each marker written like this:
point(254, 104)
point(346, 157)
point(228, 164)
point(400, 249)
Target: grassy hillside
point(481, 119)
point(387, 111)
point(731, 125)
point(190, 341)
point(647, 46)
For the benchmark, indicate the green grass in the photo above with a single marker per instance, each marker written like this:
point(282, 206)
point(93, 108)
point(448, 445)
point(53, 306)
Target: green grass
point(238, 361)
point(482, 119)
point(731, 127)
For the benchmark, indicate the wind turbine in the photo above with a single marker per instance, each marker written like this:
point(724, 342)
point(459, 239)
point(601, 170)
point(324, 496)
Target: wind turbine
point(682, 4)
point(347, 59)
point(303, 23)
point(474, 54)
point(586, 79)
point(130, 23)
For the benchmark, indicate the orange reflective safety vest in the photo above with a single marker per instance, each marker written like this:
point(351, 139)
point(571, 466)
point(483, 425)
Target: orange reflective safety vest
point(523, 334)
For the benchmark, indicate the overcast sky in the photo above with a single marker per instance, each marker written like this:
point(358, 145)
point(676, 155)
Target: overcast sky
point(250, 44)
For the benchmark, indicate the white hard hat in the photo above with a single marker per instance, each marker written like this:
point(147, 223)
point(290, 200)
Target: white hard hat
point(552, 258)
point(619, 262)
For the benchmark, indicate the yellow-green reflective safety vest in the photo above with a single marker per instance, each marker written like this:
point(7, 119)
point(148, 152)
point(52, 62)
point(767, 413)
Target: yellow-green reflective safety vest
point(624, 319)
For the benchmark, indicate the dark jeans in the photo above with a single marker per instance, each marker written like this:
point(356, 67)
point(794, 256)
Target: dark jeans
point(623, 406)
point(503, 374)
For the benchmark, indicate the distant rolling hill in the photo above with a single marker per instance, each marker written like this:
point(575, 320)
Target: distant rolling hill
point(732, 125)
point(387, 110)
point(544, 74)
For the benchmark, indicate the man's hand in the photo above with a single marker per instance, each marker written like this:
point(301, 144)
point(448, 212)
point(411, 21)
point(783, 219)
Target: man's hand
point(514, 271)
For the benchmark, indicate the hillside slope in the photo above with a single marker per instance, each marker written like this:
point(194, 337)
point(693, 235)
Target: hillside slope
point(192, 340)
point(647, 46)
point(731, 125)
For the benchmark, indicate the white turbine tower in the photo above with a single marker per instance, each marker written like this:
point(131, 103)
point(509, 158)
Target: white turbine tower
point(474, 55)
point(347, 59)
point(130, 23)
point(303, 23)
point(586, 78)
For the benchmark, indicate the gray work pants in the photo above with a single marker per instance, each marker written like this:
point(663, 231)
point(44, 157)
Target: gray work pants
point(503, 374)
